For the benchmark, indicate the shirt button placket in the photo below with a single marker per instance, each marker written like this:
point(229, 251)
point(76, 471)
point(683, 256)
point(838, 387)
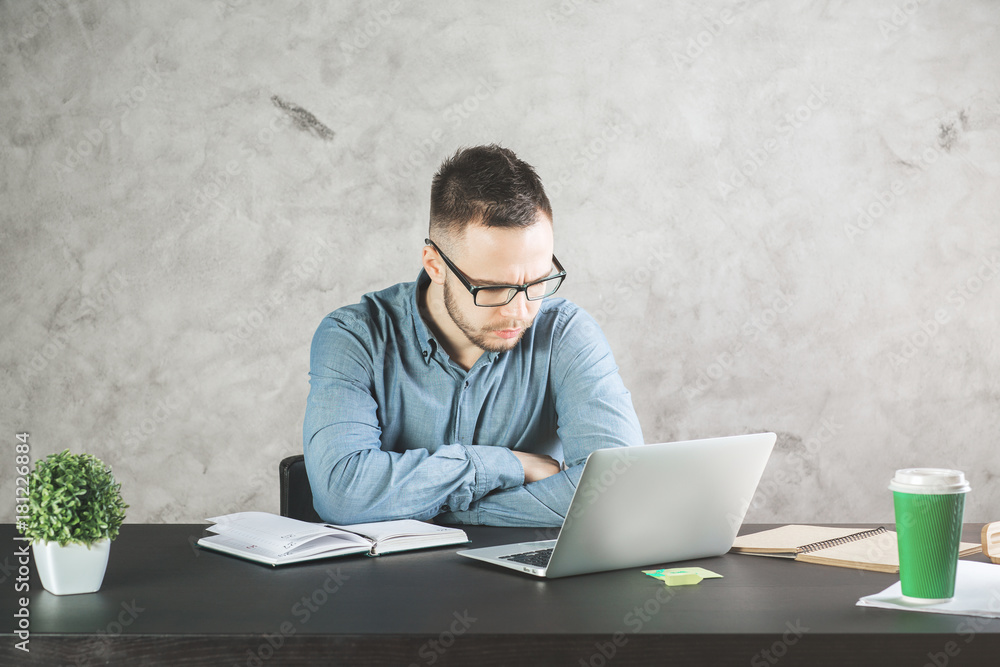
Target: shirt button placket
point(457, 437)
point(458, 418)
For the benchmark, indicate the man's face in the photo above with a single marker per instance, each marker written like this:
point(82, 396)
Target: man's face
point(492, 255)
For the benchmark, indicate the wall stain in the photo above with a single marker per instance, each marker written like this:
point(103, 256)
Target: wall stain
point(304, 120)
point(785, 441)
point(950, 129)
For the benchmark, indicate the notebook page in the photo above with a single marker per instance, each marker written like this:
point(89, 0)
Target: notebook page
point(790, 537)
point(384, 530)
point(276, 534)
point(878, 549)
point(322, 545)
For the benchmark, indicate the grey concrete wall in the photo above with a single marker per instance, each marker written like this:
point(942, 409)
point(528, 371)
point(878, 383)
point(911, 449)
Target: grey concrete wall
point(784, 214)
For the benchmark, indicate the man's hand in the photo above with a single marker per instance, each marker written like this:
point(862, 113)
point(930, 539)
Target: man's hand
point(537, 466)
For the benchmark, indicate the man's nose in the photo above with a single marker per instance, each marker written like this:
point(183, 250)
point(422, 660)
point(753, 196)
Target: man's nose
point(517, 309)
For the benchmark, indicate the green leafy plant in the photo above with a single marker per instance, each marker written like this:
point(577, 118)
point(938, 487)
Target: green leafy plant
point(72, 498)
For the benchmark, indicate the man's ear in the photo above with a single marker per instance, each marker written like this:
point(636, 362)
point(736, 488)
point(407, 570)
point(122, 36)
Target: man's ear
point(433, 265)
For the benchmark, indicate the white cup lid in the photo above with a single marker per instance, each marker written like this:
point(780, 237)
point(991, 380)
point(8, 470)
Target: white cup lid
point(929, 481)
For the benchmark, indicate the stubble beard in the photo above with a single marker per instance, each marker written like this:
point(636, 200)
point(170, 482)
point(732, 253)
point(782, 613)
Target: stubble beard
point(481, 337)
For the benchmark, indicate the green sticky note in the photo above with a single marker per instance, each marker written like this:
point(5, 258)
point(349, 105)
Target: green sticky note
point(682, 578)
point(705, 574)
point(677, 574)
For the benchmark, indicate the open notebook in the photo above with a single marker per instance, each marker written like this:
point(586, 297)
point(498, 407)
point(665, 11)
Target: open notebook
point(857, 548)
point(278, 540)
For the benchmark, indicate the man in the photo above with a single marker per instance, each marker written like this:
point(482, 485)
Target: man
point(467, 395)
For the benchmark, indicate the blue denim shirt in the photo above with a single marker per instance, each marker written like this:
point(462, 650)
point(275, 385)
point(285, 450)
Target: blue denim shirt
point(394, 429)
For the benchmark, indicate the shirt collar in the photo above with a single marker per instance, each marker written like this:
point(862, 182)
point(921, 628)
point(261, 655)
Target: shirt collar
point(428, 344)
point(424, 338)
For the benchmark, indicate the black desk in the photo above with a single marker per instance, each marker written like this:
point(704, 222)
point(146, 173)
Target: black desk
point(164, 601)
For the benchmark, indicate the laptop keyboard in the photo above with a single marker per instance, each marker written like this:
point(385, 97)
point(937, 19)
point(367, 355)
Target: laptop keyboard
point(538, 558)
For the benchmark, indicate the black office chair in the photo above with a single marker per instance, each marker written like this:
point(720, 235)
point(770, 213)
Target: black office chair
point(296, 494)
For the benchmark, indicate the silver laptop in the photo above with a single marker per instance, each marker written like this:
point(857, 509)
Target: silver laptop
point(648, 505)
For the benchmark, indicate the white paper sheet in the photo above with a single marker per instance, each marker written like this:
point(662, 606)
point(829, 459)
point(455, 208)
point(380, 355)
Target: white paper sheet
point(977, 593)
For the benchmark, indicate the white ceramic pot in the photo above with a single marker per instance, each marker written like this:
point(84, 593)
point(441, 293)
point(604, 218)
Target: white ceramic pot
point(72, 569)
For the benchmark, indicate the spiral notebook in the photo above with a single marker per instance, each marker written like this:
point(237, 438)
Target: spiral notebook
point(858, 548)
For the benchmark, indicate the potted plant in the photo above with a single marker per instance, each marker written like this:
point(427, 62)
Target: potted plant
point(75, 509)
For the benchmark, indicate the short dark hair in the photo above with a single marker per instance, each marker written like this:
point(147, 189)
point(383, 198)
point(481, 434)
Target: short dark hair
point(485, 185)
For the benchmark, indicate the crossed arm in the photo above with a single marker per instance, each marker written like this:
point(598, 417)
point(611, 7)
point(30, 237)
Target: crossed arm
point(537, 466)
point(354, 481)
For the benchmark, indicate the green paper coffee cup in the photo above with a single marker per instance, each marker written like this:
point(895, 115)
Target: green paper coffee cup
point(929, 504)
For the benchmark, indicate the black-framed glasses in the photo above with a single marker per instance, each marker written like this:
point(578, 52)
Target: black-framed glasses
point(492, 296)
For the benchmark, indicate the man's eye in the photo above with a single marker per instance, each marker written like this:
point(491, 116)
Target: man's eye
point(493, 295)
